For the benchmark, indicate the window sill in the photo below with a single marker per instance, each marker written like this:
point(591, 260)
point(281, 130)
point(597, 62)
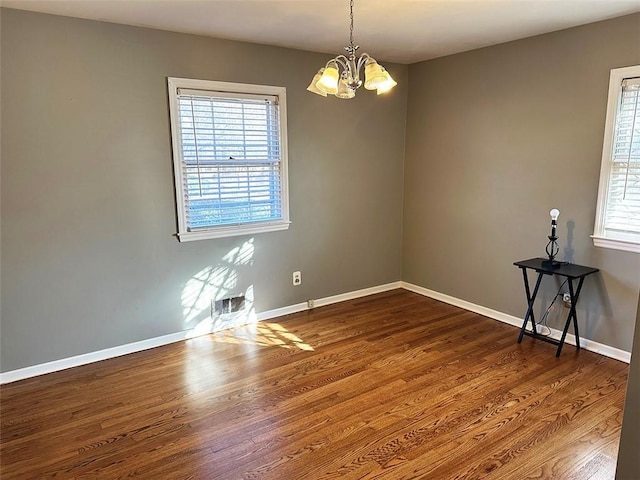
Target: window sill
point(232, 231)
point(616, 244)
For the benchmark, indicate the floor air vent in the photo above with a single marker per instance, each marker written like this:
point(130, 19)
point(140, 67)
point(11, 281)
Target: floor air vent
point(228, 305)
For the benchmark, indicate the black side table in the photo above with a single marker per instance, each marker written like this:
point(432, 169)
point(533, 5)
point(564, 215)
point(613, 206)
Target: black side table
point(568, 270)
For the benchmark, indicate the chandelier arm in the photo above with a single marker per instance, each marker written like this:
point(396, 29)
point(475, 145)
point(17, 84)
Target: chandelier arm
point(363, 58)
point(361, 61)
point(342, 60)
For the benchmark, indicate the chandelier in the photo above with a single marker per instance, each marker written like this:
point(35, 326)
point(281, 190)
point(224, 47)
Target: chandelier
point(341, 75)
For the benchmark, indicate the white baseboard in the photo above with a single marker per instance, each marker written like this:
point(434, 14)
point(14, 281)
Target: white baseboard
point(343, 297)
point(585, 343)
point(63, 364)
point(75, 361)
point(321, 302)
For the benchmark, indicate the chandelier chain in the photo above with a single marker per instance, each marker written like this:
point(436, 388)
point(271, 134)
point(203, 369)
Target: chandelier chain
point(351, 29)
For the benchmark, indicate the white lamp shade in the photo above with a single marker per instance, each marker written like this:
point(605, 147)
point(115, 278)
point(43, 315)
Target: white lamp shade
point(373, 75)
point(344, 90)
point(313, 85)
point(388, 84)
point(328, 82)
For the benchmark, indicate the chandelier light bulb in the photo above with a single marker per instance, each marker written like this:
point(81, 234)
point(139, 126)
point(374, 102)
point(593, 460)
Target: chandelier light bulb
point(555, 213)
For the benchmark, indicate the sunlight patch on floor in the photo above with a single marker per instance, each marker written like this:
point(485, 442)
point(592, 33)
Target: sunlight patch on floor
point(265, 334)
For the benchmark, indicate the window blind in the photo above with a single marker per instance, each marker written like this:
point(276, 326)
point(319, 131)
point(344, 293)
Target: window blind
point(622, 213)
point(231, 158)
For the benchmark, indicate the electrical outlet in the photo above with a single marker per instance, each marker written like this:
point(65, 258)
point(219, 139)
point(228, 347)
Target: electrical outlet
point(297, 278)
point(566, 298)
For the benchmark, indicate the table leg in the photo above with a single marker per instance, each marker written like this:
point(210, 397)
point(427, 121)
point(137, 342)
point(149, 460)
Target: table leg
point(572, 315)
point(531, 298)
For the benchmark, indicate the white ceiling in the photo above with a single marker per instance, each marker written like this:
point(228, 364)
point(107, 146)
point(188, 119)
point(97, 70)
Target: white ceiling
point(403, 31)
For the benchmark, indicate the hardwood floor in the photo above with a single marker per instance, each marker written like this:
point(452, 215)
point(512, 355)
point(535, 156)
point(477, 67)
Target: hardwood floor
point(393, 386)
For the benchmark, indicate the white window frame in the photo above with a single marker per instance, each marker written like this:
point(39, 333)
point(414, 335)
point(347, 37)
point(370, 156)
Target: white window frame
point(234, 90)
point(601, 238)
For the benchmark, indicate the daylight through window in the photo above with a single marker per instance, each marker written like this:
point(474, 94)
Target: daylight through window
point(229, 145)
point(618, 214)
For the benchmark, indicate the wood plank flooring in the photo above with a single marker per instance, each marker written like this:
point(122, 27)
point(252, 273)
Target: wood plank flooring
point(393, 386)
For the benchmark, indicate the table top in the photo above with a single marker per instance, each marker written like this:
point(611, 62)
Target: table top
point(570, 270)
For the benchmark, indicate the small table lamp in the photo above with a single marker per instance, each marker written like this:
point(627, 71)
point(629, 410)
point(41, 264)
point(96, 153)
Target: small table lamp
point(552, 247)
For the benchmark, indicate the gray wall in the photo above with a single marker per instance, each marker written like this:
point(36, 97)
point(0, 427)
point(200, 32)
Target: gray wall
point(90, 260)
point(628, 460)
point(497, 137)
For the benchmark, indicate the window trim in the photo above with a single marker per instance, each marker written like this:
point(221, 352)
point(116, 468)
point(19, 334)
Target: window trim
point(248, 228)
point(600, 239)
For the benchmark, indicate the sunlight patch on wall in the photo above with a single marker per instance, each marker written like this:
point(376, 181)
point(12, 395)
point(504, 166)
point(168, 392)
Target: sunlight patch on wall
point(215, 323)
point(204, 286)
point(217, 282)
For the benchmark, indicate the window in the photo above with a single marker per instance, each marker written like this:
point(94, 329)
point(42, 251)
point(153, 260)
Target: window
point(618, 212)
point(230, 158)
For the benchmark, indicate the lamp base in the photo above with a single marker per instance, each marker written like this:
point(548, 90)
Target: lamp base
point(551, 263)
